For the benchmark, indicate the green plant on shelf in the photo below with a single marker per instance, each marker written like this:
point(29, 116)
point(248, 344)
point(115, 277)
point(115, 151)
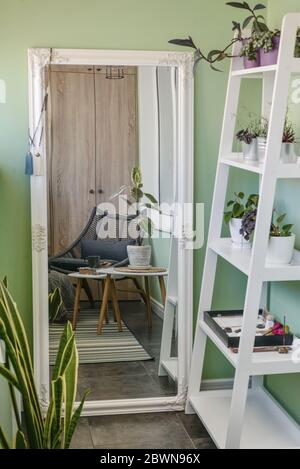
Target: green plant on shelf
point(238, 208)
point(278, 228)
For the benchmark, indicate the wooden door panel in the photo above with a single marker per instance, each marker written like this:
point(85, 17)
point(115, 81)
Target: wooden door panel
point(71, 166)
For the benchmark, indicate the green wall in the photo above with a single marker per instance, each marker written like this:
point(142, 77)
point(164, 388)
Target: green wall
point(285, 297)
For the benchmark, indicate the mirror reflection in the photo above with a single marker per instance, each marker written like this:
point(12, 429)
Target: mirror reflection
point(111, 146)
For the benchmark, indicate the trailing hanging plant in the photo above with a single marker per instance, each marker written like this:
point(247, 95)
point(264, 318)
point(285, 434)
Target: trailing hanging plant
point(249, 50)
point(264, 40)
point(215, 56)
point(36, 430)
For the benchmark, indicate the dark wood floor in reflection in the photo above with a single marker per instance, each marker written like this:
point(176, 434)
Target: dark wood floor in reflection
point(131, 379)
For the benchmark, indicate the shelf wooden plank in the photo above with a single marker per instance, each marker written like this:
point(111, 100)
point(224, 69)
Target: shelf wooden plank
point(263, 363)
point(255, 72)
point(171, 367)
point(266, 425)
point(240, 258)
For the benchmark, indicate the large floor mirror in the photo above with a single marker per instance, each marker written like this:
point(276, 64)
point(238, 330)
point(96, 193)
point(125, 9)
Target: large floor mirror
point(100, 120)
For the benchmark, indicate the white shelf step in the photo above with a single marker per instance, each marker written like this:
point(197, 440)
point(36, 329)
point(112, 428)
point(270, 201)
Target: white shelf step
point(266, 424)
point(285, 171)
point(240, 257)
point(263, 363)
point(171, 367)
point(255, 72)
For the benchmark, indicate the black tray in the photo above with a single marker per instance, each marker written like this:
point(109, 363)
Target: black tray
point(233, 342)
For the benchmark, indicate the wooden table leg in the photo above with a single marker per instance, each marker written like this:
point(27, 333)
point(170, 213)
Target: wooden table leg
point(116, 305)
point(140, 289)
point(103, 309)
point(76, 304)
point(107, 309)
point(148, 304)
point(162, 289)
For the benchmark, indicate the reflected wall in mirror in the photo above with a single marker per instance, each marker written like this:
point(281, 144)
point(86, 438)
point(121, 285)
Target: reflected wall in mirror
point(102, 121)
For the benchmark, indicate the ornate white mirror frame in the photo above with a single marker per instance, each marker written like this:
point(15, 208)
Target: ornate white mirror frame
point(38, 59)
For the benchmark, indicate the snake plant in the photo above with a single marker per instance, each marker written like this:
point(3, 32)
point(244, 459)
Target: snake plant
point(36, 430)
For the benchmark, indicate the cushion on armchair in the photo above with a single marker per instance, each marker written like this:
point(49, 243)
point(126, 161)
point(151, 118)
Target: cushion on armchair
point(111, 249)
point(68, 264)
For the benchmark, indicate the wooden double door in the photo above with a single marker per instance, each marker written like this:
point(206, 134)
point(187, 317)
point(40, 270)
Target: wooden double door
point(92, 144)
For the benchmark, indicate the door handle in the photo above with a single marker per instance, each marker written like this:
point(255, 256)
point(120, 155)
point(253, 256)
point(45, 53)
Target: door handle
point(92, 191)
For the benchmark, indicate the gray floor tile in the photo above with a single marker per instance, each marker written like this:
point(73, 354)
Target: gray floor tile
point(204, 443)
point(193, 425)
point(82, 437)
point(140, 430)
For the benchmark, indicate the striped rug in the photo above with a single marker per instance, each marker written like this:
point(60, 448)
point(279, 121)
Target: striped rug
point(109, 347)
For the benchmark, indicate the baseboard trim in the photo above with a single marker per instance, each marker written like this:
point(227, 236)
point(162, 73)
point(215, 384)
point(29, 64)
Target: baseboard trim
point(157, 308)
point(216, 384)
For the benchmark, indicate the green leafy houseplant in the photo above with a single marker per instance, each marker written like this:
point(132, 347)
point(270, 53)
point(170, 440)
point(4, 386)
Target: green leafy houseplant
point(238, 208)
point(264, 40)
point(36, 430)
point(137, 194)
point(216, 56)
point(278, 228)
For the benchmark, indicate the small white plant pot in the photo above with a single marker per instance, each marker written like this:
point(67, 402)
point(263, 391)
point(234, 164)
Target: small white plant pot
point(288, 154)
point(139, 256)
point(280, 250)
point(250, 150)
point(237, 239)
point(261, 149)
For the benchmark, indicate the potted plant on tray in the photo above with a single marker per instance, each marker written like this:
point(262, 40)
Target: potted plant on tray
point(139, 255)
point(281, 242)
point(235, 215)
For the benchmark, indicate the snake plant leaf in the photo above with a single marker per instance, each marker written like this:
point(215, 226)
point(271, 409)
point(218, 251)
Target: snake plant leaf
point(74, 420)
point(70, 387)
point(20, 441)
point(48, 426)
point(64, 340)
point(5, 282)
point(3, 440)
point(55, 302)
point(57, 396)
point(9, 376)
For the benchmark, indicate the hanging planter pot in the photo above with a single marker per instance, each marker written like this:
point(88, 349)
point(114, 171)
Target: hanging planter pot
point(280, 249)
point(237, 239)
point(288, 154)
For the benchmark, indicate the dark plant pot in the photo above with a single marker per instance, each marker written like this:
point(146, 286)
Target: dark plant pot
point(270, 58)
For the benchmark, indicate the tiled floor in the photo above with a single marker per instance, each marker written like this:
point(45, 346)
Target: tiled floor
point(169, 430)
point(126, 380)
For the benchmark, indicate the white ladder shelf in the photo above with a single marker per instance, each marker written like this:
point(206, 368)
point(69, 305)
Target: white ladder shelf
point(243, 417)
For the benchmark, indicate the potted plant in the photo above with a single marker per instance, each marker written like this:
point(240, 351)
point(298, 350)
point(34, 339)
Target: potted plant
point(139, 255)
point(281, 242)
point(234, 216)
point(40, 427)
point(267, 42)
point(249, 143)
point(288, 154)
point(260, 128)
point(250, 54)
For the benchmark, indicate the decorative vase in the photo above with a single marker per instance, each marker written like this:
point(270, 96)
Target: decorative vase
point(270, 58)
point(288, 154)
point(280, 250)
point(139, 256)
point(237, 239)
point(261, 148)
point(250, 150)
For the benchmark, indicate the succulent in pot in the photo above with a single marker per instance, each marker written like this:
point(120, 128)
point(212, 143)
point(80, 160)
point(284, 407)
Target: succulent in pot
point(281, 242)
point(139, 255)
point(288, 154)
point(267, 42)
point(249, 143)
point(234, 216)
